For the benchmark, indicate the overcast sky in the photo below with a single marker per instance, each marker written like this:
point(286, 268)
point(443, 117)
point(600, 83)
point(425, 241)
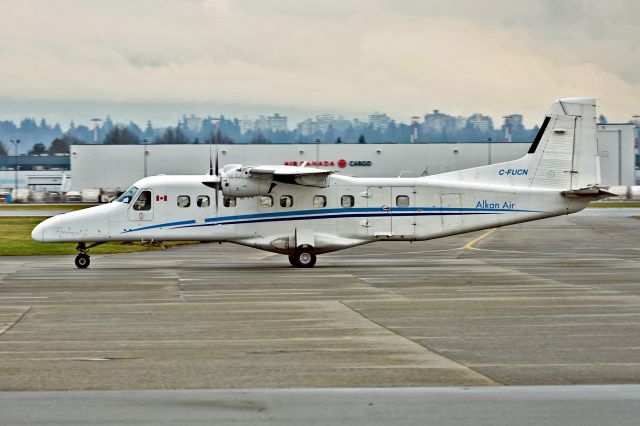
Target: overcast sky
point(157, 58)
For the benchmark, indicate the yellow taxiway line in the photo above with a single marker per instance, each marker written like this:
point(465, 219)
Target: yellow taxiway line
point(470, 245)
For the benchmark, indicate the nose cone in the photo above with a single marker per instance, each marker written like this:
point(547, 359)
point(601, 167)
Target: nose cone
point(47, 230)
point(38, 232)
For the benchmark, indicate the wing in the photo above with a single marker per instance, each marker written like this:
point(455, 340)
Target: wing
point(306, 176)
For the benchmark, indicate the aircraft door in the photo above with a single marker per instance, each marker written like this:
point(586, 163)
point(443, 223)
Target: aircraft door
point(403, 220)
point(142, 208)
point(379, 205)
point(451, 213)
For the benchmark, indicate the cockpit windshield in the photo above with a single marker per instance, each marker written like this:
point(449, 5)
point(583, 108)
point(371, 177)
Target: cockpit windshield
point(128, 196)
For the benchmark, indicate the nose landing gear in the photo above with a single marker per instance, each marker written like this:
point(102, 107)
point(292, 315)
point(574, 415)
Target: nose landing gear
point(82, 259)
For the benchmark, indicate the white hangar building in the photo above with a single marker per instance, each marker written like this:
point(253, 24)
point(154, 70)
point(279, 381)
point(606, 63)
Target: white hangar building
point(119, 166)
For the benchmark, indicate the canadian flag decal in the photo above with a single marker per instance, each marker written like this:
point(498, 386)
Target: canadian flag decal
point(161, 198)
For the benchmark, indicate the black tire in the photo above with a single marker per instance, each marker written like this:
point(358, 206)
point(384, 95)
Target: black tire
point(304, 257)
point(82, 261)
point(293, 262)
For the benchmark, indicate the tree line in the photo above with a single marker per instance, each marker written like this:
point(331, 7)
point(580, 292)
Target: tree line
point(42, 138)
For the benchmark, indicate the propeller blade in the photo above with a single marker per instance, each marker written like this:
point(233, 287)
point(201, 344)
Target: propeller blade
point(217, 202)
point(210, 160)
point(217, 168)
point(217, 164)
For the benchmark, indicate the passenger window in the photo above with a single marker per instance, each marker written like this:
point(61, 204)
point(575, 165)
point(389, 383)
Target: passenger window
point(229, 202)
point(266, 201)
point(143, 202)
point(402, 201)
point(286, 201)
point(319, 201)
point(202, 201)
point(184, 201)
point(347, 201)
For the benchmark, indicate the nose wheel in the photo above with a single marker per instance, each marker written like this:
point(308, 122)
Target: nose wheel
point(82, 260)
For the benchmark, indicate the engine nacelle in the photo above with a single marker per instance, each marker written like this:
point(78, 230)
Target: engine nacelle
point(238, 186)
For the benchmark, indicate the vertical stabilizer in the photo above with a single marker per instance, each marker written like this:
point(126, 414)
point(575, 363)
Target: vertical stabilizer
point(567, 154)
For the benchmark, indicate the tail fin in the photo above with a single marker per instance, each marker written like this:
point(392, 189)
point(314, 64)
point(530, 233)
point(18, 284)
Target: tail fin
point(563, 156)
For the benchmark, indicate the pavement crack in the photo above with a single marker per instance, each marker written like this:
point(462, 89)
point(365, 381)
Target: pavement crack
point(16, 321)
point(363, 315)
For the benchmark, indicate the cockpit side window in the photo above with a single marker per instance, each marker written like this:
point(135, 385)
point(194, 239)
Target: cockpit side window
point(128, 196)
point(143, 202)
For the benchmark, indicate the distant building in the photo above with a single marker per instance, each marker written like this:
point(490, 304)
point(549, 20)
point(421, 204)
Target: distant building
point(438, 123)
point(262, 123)
point(246, 125)
point(515, 120)
point(277, 123)
point(192, 122)
point(307, 128)
point(379, 121)
point(324, 121)
point(359, 125)
point(459, 123)
point(341, 124)
point(512, 124)
point(615, 143)
point(483, 123)
point(117, 166)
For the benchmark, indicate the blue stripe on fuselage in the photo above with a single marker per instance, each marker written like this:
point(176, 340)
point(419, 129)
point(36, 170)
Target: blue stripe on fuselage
point(325, 216)
point(329, 214)
point(162, 225)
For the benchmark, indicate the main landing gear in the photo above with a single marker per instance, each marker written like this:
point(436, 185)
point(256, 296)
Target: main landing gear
point(303, 257)
point(82, 259)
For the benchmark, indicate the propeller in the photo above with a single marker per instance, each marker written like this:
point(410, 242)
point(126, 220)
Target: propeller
point(214, 170)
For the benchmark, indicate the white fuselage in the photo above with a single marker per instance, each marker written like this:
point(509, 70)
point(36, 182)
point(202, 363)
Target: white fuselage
point(396, 209)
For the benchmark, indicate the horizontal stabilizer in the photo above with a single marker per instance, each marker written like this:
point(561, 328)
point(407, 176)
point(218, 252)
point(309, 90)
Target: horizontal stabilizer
point(594, 192)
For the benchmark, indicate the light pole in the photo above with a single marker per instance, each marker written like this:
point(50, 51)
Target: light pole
point(144, 141)
point(15, 167)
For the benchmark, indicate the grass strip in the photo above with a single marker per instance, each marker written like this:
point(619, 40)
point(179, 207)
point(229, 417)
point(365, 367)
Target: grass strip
point(15, 240)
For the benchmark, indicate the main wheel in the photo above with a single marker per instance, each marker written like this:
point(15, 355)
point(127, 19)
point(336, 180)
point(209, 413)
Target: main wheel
point(304, 257)
point(82, 261)
point(293, 262)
